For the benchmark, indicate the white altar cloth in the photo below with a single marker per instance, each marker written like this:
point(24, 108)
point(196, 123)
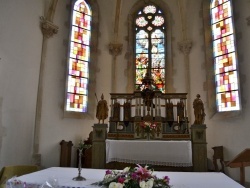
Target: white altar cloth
point(166, 153)
point(177, 179)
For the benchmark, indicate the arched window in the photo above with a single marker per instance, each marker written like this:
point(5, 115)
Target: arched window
point(225, 56)
point(82, 48)
point(150, 46)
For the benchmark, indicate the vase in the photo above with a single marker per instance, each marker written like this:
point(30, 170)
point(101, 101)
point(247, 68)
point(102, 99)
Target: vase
point(148, 136)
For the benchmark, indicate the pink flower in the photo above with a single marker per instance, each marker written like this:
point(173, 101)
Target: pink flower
point(142, 173)
point(166, 179)
point(121, 180)
point(134, 176)
point(108, 172)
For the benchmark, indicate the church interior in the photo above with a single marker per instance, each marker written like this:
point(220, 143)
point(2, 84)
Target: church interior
point(189, 52)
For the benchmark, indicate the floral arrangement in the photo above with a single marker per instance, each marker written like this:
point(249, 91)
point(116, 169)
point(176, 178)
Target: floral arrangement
point(138, 177)
point(82, 145)
point(148, 126)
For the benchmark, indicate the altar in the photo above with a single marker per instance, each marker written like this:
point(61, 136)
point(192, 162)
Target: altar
point(155, 152)
point(62, 178)
point(149, 114)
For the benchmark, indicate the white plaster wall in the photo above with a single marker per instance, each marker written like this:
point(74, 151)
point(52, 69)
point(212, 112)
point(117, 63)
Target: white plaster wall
point(20, 53)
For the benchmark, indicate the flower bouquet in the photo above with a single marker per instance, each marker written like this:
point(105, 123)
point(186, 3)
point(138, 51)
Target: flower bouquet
point(138, 177)
point(148, 126)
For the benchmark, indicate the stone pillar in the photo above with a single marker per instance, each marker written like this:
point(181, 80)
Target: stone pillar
point(115, 49)
point(199, 147)
point(99, 146)
point(48, 29)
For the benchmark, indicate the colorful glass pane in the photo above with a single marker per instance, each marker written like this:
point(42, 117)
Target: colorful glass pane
point(157, 40)
point(78, 63)
point(158, 60)
point(149, 9)
point(77, 85)
point(140, 73)
point(228, 101)
point(221, 12)
point(226, 82)
point(82, 7)
point(158, 21)
point(225, 62)
point(150, 46)
point(141, 22)
point(141, 35)
point(142, 46)
point(141, 61)
point(79, 51)
point(76, 103)
point(158, 75)
point(149, 28)
point(224, 45)
point(222, 28)
point(81, 20)
point(80, 35)
point(216, 3)
point(78, 68)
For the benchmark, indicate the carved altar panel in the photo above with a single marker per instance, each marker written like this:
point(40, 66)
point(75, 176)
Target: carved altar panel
point(167, 112)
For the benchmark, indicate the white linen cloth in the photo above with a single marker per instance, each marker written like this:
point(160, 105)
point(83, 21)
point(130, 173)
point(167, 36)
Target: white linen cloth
point(64, 178)
point(165, 153)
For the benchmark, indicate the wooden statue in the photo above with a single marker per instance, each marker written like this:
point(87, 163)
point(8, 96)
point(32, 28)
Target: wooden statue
point(199, 112)
point(102, 110)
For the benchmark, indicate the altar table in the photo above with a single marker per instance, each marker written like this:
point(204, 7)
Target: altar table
point(166, 153)
point(64, 179)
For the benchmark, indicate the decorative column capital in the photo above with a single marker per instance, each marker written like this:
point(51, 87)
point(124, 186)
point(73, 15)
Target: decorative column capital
point(248, 20)
point(115, 49)
point(185, 46)
point(48, 28)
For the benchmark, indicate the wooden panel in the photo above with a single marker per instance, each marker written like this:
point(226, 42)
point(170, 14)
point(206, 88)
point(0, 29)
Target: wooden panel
point(65, 157)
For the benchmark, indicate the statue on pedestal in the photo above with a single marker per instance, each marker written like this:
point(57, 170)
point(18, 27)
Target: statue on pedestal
point(199, 112)
point(102, 110)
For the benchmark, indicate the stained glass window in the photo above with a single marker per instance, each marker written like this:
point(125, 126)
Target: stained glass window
point(225, 61)
point(150, 46)
point(79, 55)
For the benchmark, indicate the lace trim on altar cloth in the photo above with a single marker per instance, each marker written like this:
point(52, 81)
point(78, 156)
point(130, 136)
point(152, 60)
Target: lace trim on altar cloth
point(174, 164)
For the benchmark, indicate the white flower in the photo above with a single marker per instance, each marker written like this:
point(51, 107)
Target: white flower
point(142, 184)
point(148, 184)
point(125, 170)
point(115, 185)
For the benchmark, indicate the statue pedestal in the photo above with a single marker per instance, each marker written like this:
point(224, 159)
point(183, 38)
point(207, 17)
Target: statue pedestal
point(199, 147)
point(99, 146)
